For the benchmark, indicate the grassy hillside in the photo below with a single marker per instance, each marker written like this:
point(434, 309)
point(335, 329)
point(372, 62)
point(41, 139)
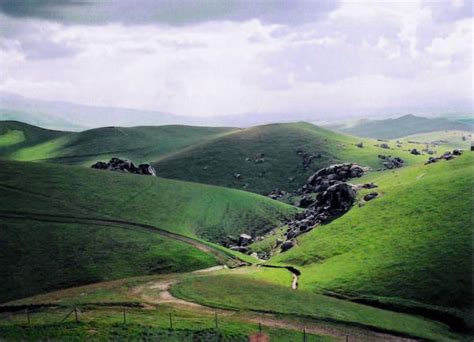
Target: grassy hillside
point(40, 256)
point(245, 292)
point(60, 237)
point(16, 136)
point(403, 126)
point(218, 160)
point(412, 243)
point(140, 144)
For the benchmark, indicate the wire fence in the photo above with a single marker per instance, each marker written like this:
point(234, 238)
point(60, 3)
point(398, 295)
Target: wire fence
point(57, 315)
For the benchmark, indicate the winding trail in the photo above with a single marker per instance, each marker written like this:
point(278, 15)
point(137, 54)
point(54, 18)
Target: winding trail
point(158, 292)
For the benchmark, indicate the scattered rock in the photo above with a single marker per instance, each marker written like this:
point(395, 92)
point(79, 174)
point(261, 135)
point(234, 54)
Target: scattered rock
point(244, 239)
point(391, 163)
point(360, 145)
point(287, 245)
point(276, 194)
point(237, 176)
point(445, 156)
point(415, 151)
point(370, 196)
point(384, 145)
point(124, 165)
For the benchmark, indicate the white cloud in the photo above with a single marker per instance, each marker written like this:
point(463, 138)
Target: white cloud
point(368, 55)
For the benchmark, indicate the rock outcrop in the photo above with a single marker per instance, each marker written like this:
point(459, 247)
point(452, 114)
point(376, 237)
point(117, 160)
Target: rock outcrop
point(326, 195)
point(125, 165)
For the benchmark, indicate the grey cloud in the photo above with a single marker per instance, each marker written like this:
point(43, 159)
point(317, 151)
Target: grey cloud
point(169, 12)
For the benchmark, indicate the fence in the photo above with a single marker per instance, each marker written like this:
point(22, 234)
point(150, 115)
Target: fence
point(58, 315)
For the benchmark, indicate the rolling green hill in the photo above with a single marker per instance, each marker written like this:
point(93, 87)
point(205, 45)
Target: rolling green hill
point(411, 245)
point(140, 144)
point(402, 126)
point(64, 225)
point(270, 157)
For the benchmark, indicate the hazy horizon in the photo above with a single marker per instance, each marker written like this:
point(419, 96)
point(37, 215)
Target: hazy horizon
point(318, 61)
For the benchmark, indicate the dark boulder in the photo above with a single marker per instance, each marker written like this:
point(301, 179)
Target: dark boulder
point(287, 245)
point(415, 151)
point(147, 169)
point(370, 196)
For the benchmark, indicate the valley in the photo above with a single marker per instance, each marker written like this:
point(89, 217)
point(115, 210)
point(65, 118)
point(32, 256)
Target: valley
point(202, 242)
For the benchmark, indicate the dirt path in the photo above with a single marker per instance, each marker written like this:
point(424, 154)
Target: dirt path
point(158, 292)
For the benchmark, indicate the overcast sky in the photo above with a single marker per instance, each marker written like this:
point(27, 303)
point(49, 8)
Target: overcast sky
point(217, 57)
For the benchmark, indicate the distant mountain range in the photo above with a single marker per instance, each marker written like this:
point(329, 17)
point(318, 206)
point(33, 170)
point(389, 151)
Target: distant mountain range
point(67, 116)
point(402, 126)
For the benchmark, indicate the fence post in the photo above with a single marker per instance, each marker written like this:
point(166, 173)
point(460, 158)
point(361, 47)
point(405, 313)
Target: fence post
point(124, 316)
point(28, 316)
point(347, 338)
point(259, 327)
point(215, 319)
point(75, 314)
point(171, 322)
point(304, 334)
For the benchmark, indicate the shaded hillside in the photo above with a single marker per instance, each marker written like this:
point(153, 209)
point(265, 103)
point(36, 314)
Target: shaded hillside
point(411, 243)
point(55, 231)
point(141, 144)
point(278, 156)
point(402, 126)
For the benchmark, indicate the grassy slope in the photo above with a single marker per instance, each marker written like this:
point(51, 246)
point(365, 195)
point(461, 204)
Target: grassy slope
point(43, 256)
point(140, 144)
point(403, 126)
point(245, 292)
point(216, 161)
point(17, 135)
point(414, 242)
point(185, 208)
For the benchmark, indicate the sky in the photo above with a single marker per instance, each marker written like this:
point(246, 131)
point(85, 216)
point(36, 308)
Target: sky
point(331, 59)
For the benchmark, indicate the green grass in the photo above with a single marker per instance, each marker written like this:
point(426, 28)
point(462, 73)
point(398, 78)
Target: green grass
point(140, 144)
point(44, 256)
point(218, 160)
point(57, 251)
point(98, 317)
point(413, 243)
point(244, 292)
point(106, 325)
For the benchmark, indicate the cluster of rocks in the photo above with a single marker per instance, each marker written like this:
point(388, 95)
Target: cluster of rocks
point(391, 163)
point(446, 156)
point(124, 165)
point(326, 195)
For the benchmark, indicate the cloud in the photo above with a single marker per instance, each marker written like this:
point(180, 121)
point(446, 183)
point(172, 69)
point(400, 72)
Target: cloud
point(169, 12)
point(355, 59)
